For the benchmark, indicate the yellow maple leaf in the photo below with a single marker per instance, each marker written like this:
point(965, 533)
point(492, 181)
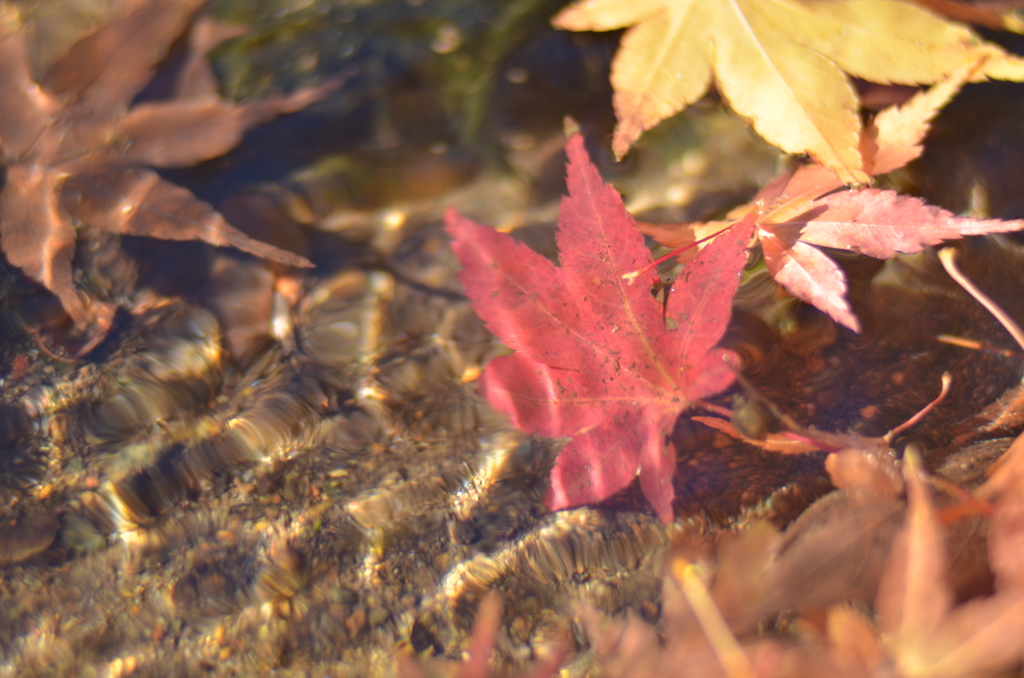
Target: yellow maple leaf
point(779, 64)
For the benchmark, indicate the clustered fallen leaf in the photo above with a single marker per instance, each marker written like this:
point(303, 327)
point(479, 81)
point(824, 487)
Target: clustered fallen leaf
point(598, 358)
point(892, 550)
point(77, 152)
point(779, 63)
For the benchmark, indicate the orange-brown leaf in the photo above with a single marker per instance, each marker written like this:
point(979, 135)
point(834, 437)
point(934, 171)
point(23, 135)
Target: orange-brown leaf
point(914, 595)
point(65, 151)
point(180, 133)
point(26, 107)
point(136, 201)
point(105, 70)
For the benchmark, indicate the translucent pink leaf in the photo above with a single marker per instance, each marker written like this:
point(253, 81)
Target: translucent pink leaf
point(882, 224)
point(598, 358)
point(809, 275)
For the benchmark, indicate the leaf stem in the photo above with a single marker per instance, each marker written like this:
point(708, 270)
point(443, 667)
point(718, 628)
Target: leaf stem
point(716, 409)
point(947, 255)
point(977, 346)
point(723, 642)
point(632, 275)
point(947, 379)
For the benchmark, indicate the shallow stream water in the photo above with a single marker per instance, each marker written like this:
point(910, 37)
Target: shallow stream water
point(262, 470)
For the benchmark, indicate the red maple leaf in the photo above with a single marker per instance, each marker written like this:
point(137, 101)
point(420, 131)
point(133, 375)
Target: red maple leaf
point(597, 358)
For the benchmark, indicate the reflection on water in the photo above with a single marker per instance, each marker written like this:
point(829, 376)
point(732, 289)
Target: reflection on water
point(269, 469)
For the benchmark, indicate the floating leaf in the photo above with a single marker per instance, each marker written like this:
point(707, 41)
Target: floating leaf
point(778, 63)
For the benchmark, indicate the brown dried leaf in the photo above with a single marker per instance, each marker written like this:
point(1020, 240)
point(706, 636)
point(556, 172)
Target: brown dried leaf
point(810, 275)
point(1007, 474)
point(740, 582)
point(26, 107)
point(853, 639)
point(136, 201)
point(978, 638)
point(914, 595)
point(1006, 529)
point(836, 550)
point(1006, 542)
point(37, 235)
point(105, 70)
point(196, 78)
point(180, 133)
point(66, 153)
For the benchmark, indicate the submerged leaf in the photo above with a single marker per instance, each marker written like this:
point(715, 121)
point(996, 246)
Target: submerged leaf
point(136, 201)
point(37, 235)
point(598, 358)
point(73, 147)
point(104, 71)
point(914, 595)
point(179, 133)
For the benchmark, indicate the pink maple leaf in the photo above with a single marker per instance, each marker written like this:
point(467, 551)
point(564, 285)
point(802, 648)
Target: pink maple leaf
point(598, 358)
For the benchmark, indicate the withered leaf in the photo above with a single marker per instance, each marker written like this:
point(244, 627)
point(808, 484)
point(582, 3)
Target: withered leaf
point(914, 594)
point(836, 550)
point(1006, 529)
point(136, 201)
point(74, 150)
point(927, 635)
point(183, 132)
